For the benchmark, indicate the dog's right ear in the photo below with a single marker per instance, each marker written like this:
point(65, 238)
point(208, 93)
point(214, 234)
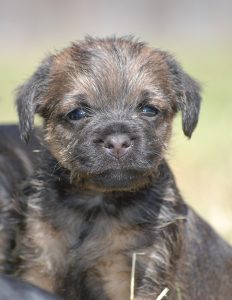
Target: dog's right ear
point(190, 104)
point(188, 94)
point(30, 95)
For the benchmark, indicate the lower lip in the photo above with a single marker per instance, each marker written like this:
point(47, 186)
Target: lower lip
point(116, 178)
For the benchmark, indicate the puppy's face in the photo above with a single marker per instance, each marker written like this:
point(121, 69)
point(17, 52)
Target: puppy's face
point(108, 106)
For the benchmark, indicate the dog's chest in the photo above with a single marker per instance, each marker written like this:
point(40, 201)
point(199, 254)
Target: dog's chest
point(100, 255)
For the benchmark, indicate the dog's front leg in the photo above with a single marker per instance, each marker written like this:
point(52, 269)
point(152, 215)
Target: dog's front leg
point(42, 254)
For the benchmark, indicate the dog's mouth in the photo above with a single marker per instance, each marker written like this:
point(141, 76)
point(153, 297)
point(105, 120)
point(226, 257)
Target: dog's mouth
point(118, 180)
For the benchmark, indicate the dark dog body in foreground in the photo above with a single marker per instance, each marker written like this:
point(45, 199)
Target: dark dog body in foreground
point(105, 191)
point(16, 164)
point(13, 289)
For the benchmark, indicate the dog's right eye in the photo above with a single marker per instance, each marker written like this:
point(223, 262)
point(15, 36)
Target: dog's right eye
point(148, 110)
point(77, 114)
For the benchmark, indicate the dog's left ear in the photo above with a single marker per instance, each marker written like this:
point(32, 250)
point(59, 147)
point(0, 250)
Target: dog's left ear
point(29, 97)
point(190, 104)
point(188, 95)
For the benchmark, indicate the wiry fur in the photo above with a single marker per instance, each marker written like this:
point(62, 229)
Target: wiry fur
point(88, 212)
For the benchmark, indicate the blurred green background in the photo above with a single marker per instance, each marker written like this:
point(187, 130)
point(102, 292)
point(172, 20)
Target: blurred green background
point(198, 33)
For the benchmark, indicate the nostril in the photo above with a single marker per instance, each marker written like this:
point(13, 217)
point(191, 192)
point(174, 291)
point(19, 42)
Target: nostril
point(109, 146)
point(126, 144)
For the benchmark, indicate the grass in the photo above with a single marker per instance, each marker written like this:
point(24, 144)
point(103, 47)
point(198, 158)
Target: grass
point(12, 73)
point(203, 165)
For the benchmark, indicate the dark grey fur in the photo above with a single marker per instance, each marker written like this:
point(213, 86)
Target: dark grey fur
point(87, 211)
point(13, 289)
point(16, 164)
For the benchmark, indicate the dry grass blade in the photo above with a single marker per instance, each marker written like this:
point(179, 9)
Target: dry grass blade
point(133, 267)
point(163, 294)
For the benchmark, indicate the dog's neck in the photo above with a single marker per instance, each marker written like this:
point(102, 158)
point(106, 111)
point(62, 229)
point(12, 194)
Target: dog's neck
point(162, 188)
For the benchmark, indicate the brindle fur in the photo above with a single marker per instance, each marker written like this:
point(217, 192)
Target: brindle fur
point(88, 212)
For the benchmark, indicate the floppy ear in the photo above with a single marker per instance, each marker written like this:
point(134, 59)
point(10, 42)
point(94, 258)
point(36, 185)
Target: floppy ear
point(188, 98)
point(29, 96)
point(190, 104)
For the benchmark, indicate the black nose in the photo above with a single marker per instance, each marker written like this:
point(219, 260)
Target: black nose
point(117, 145)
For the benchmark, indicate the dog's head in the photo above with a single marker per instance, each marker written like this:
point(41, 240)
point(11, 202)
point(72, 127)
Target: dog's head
point(108, 107)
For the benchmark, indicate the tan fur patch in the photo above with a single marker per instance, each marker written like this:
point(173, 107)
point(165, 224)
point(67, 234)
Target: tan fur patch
point(49, 255)
point(115, 273)
point(37, 277)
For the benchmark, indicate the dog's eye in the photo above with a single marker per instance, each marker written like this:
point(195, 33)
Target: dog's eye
point(77, 114)
point(149, 110)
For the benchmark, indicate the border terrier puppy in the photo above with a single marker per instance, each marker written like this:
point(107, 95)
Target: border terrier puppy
point(105, 191)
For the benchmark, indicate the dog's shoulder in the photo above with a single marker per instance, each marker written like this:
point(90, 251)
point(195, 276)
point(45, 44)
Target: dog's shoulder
point(211, 257)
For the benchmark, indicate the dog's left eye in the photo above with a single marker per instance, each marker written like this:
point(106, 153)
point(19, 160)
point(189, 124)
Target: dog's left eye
point(77, 114)
point(149, 110)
